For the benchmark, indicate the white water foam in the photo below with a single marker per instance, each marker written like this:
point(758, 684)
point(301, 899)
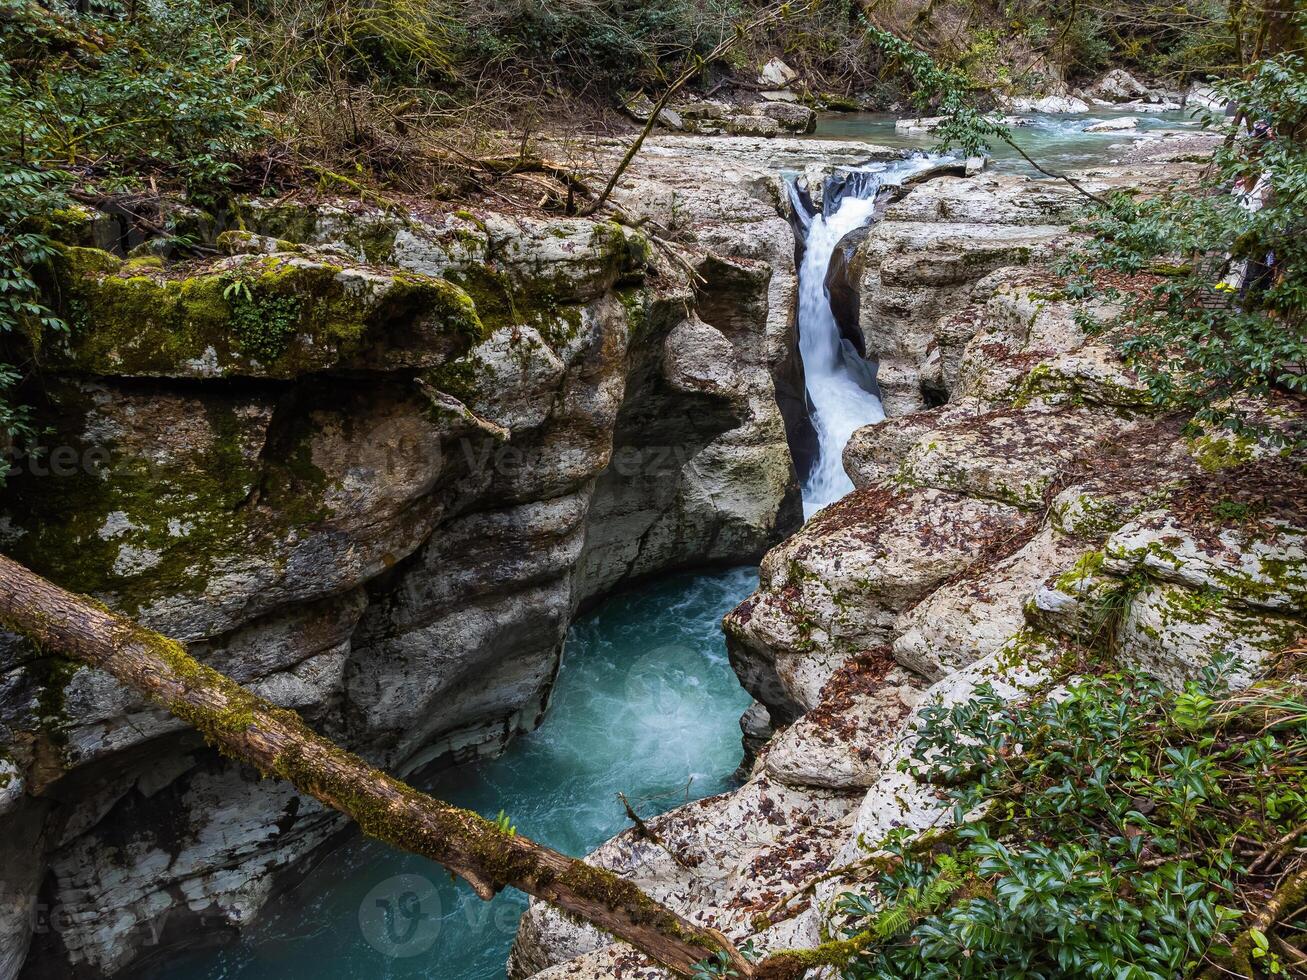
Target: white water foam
point(838, 404)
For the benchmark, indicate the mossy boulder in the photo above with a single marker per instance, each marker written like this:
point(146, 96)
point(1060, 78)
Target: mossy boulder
point(1011, 456)
point(1092, 375)
point(1260, 564)
point(364, 232)
point(1174, 633)
point(261, 316)
point(197, 509)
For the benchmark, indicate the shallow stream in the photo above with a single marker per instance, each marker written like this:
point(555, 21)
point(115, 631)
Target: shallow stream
point(646, 704)
point(1058, 142)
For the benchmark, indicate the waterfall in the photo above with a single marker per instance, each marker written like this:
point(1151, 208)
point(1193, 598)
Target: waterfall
point(840, 384)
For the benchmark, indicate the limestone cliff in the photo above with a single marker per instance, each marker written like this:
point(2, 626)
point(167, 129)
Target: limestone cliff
point(369, 463)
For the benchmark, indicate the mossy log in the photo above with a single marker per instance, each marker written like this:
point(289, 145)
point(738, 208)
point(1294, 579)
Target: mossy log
point(277, 743)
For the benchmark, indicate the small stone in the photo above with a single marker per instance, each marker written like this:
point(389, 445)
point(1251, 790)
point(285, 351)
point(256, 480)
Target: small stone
point(1114, 125)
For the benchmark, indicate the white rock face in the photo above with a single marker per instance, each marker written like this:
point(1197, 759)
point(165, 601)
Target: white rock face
point(969, 619)
point(931, 257)
point(1261, 568)
point(1119, 125)
point(1173, 633)
point(1012, 456)
point(844, 742)
point(839, 587)
point(720, 855)
point(777, 74)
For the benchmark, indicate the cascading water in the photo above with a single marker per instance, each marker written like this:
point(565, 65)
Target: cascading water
point(841, 396)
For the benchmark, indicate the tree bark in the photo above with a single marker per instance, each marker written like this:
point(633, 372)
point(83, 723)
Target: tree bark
point(277, 743)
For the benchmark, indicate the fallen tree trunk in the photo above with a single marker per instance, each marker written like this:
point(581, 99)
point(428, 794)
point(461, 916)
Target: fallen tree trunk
point(277, 743)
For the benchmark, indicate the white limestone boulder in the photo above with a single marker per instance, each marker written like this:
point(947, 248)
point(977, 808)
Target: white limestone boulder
point(968, 619)
point(1260, 564)
point(843, 742)
point(1174, 633)
point(837, 586)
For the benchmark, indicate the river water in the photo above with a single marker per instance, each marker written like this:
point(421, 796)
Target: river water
point(1058, 142)
point(646, 704)
point(842, 396)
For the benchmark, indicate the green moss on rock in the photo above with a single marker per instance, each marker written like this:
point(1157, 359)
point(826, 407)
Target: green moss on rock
point(276, 316)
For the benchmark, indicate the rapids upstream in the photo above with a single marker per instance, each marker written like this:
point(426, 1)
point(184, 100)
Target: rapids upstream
point(645, 704)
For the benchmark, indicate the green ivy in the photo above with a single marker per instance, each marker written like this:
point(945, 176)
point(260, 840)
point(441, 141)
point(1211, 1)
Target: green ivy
point(263, 325)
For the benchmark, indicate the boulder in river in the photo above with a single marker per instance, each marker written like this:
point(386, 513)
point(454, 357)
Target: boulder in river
point(1051, 104)
point(920, 124)
point(1118, 85)
point(790, 117)
point(752, 125)
point(1206, 97)
point(1119, 125)
point(641, 107)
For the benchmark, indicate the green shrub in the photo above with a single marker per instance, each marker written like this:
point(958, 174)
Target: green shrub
point(103, 100)
point(1195, 337)
point(162, 90)
point(598, 45)
point(1120, 827)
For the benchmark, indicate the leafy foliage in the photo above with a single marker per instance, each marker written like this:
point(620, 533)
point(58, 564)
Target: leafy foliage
point(119, 96)
point(102, 99)
point(1156, 38)
point(719, 964)
point(1212, 329)
point(943, 91)
point(1119, 835)
point(602, 43)
point(26, 196)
